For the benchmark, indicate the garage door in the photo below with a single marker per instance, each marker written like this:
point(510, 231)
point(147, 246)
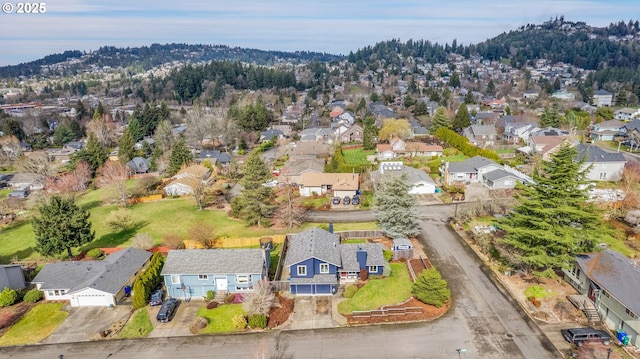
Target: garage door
point(93, 300)
point(303, 289)
point(323, 289)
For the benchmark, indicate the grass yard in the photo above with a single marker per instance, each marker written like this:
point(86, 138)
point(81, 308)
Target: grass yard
point(354, 240)
point(337, 227)
point(315, 202)
point(505, 151)
point(357, 156)
point(138, 326)
point(5, 192)
point(379, 292)
point(36, 325)
point(220, 319)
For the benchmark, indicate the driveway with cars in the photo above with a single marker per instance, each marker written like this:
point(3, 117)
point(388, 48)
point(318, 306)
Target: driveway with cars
point(179, 325)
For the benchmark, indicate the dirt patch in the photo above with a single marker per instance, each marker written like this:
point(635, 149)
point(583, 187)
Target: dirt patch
point(429, 312)
point(279, 315)
point(418, 265)
point(322, 306)
point(594, 351)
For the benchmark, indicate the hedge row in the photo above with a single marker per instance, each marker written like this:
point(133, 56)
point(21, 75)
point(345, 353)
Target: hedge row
point(147, 281)
point(462, 144)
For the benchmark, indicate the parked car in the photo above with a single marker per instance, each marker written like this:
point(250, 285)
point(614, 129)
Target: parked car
point(156, 297)
point(346, 200)
point(271, 183)
point(355, 200)
point(336, 200)
point(167, 310)
point(578, 336)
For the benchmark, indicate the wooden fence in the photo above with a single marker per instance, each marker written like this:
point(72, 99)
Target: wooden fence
point(361, 234)
point(387, 312)
point(151, 198)
point(283, 253)
point(280, 286)
point(234, 242)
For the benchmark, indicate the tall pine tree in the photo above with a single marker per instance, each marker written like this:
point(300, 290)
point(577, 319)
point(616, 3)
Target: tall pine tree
point(440, 119)
point(180, 156)
point(553, 221)
point(396, 208)
point(254, 204)
point(126, 149)
point(369, 133)
point(61, 226)
point(462, 119)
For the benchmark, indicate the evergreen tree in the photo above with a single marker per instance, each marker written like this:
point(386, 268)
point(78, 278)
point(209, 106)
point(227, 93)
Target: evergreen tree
point(462, 119)
point(553, 221)
point(136, 129)
point(454, 80)
point(440, 119)
point(139, 294)
point(126, 149)
point(369, 133)
point(61, 226)
point(396, 208)
point(94, 153)
point(254, 204)
point(13, 128)
point(430, 288)
point(550, 117)
point(180, 156)
point(468, 98)
point(420, 109)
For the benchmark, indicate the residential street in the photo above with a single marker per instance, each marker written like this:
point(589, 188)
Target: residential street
point(483, 321)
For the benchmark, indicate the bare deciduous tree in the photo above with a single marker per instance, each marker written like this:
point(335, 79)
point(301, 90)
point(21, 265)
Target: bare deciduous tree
point(197, 177)
point(11, 149)
point(38, 164)
point(69, 184)
point(290, 211)
point(142, 241)
point(204, 233)
point(261, 300)
point(114, 174)
point(120, 219)
point(174, 241)
point(103, 130)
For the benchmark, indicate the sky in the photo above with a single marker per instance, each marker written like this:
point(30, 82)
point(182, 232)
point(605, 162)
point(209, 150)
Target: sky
point(333, 26)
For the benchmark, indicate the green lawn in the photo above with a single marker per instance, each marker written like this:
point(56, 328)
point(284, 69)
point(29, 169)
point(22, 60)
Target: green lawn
point(5, 192)
point(509, 150)
point(138, 326)
point(36, 325)
point(315, 202)
point(354, 240)
point(379, 292)
point(220, 319)
point(357, 156)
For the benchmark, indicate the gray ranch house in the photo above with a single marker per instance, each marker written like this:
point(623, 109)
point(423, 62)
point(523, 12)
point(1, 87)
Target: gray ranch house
point(92, 283)
point(191, 273)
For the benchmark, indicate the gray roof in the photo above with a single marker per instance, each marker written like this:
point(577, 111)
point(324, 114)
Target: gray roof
point(614, 273)
point(271, 133)
point(602, 93)
point(213, 261)
point(313, 243)
point(139, 164)
point(633, 125)
point(108, 275)
point(479, 130)
point(414, 175)
point(592, 153)
point(316, 279)
point(471, 165)
point(222, 157)
point(402, 241)
point(348, 252)
point(498, 174)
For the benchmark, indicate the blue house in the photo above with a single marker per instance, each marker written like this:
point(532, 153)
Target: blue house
point(317, 261)
point(191, 273)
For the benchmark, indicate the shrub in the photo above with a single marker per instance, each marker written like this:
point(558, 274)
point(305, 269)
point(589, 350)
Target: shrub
point(120, 220)
point(210, 294)
point(430, 288)
point(537, 303)
point(350, 291)
point(258, 321)
point(229, 298)
point(386, 270)
point(239, 321)
point(8, 297)
point(388, 255)
point(142, 241)
point(260, 300)
point(212, 305)
point(33, 296)
point(198, 324)
point(95, 253)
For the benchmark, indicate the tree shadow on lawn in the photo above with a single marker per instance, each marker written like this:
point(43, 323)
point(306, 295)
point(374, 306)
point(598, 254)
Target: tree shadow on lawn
point(19, 255)
point(115, 239)
point(91, 205)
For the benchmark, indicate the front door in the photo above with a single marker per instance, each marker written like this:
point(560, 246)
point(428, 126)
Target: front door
point(592, 293)
point(221, 284)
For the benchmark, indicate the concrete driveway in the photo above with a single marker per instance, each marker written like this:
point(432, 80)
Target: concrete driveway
point(179, 325)
point(312, 312)
point(85, 323)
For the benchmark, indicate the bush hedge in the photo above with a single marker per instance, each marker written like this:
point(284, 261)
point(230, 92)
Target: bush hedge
point(258, 321)
point(350, 291)
point(33, 296)
point(462, 143)
point(8, 297)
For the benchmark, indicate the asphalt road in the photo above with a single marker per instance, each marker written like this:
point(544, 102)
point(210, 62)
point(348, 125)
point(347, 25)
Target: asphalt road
point(483, 322)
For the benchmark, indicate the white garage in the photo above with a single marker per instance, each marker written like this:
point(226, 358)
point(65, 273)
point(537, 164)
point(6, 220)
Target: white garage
point(92, 298)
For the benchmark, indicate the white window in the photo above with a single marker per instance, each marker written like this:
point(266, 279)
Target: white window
point(50, 293)
point(508, 182)
point(603, 175)
point(373, 269)
point(203, 277)
point(324, 268)
point(242, 278)
point(175, 279)
point(630, 313)
point(302, 270)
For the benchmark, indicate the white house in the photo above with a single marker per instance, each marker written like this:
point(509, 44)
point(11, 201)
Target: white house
point(604, 166)
point(627, 114)
point(420, 182)
point(602, 98)
point(92, 283)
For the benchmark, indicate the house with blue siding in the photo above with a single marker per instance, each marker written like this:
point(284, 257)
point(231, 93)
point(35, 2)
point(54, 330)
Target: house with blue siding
point(191, 273)
point(317, 261)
